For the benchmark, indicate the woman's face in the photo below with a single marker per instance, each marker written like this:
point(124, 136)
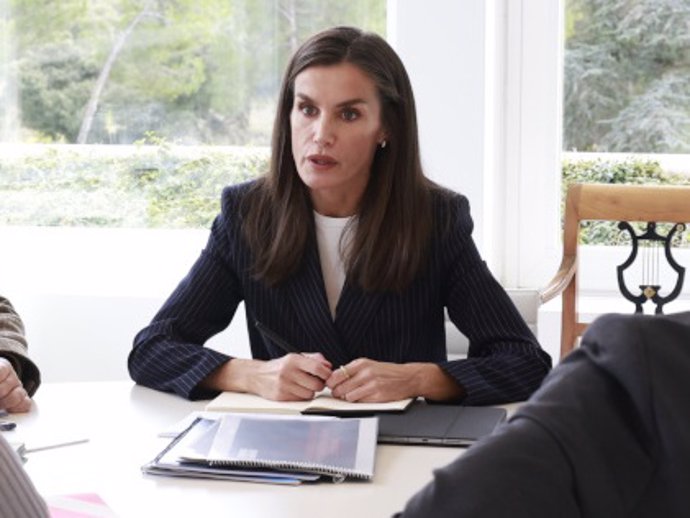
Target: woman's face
point(336, 127)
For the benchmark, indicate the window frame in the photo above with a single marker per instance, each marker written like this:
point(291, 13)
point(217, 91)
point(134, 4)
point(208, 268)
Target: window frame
point(487, 76)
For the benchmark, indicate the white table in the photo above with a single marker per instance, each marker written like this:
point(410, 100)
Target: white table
point(122, 422)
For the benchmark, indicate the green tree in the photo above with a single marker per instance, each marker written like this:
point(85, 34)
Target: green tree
point(627, 76)
point(55, 82)
point(196, 71)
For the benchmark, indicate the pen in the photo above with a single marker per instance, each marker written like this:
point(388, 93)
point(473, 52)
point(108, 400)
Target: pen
point(55, 445)
point(275, 339)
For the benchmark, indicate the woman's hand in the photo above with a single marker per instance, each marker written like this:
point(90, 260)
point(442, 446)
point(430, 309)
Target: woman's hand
point(293, 377)
point(371, 381)
point(13, 397)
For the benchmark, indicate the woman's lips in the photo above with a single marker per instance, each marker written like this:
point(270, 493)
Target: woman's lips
point(322, 161)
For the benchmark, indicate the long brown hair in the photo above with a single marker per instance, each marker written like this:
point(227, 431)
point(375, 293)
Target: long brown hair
point(394, 216)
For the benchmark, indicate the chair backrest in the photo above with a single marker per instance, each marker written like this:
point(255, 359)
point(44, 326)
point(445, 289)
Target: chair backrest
point(611, 202)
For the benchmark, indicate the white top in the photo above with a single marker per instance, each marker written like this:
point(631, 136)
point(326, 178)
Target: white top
point(329, 237)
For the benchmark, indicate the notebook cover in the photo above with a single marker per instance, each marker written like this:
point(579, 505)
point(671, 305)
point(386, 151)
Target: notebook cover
point(444, 425)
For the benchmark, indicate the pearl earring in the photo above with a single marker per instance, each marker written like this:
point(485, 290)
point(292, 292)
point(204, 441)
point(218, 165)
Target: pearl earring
point(383, 144)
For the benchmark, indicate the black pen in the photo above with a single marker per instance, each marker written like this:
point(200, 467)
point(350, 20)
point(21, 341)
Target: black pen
point(275, 339)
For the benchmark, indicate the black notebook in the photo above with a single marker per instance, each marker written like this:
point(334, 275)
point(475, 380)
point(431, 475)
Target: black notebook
point(444, 425)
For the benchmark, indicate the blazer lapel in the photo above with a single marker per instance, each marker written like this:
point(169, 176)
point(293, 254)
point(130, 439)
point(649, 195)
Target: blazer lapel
point(355, 312)
point(307, 295)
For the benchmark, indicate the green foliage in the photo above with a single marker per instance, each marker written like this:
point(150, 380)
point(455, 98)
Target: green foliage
point(194, 71)
point(628, 171)
point(603, 171)
point(626, 87)
point(55, 84)
point(156, 184)
point(139, 186)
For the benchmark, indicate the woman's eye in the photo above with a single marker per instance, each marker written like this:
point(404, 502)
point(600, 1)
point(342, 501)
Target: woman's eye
point(307, 110)
point(350, 115)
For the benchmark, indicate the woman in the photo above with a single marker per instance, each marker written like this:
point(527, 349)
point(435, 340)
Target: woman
point(345, 251)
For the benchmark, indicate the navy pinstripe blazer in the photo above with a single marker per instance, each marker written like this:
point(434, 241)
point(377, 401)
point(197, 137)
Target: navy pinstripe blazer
point(505, 362)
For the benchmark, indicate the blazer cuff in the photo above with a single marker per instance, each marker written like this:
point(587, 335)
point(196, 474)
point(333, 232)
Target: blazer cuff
point(26, 370)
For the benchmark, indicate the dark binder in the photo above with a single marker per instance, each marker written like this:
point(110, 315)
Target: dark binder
point(443, 425)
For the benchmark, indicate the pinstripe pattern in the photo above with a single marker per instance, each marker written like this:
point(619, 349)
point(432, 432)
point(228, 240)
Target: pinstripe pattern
point(504, 363)
point(18, 496)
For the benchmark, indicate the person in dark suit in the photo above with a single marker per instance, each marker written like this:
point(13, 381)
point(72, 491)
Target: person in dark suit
point(19, 376)
point(608, 434)
point(345, 252)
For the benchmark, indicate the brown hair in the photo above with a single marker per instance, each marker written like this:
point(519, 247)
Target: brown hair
point(394, 217)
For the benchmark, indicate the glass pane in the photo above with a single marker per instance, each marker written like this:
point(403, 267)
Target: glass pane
point(169, 99)
point(626, 97)
point(627, 76)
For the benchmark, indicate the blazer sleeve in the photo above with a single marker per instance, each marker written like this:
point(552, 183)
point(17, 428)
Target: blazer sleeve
point(169, 353)
point(504, 362)
point(13, 346)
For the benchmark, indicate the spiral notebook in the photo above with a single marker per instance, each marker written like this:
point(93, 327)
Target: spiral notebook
point(296, 448)
point(196, 439)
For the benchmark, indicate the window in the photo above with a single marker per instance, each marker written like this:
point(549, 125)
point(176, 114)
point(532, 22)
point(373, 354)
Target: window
point(626, 116)
point(626, 76)
point(168, 101)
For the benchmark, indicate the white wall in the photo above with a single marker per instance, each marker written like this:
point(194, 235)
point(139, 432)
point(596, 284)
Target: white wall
point(84, 293)
point(442, 44)
point(533, 63)
point(486, 75)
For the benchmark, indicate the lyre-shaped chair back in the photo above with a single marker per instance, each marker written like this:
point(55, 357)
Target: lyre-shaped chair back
point(650, 204)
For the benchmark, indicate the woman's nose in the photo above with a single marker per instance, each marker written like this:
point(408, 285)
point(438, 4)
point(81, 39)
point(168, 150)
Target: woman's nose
point(323, 132)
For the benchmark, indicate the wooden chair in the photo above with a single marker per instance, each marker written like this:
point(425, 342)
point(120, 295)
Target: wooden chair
point(650, 204)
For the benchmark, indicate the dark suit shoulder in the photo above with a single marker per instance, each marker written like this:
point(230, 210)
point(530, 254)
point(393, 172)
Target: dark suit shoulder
point(451, 214)
point(616, 319)
point(625, 345)
point(234, 196)
point(444, 197)
point(612, 334)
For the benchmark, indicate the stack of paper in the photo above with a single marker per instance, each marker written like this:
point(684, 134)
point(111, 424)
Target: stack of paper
point(271, 449)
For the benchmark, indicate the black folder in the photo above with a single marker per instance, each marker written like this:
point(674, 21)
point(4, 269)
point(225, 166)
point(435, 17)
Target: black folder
point(441, 425)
